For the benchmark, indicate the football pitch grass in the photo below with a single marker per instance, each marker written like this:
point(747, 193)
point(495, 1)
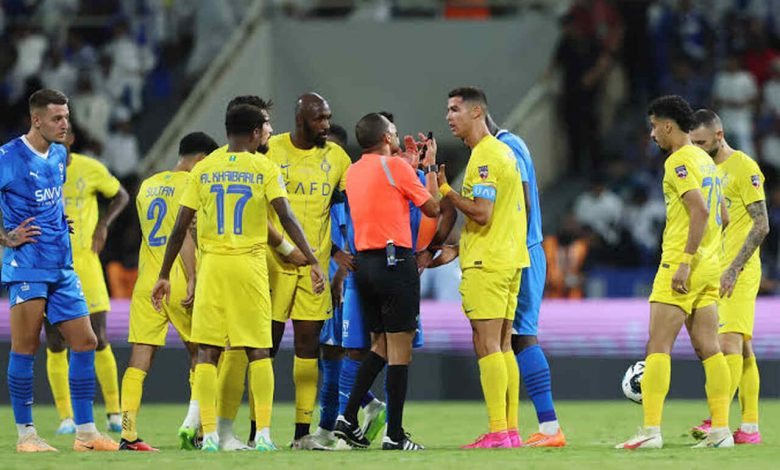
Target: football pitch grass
point(591, 427)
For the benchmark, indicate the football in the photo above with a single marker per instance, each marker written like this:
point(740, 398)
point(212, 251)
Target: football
point(632, 382)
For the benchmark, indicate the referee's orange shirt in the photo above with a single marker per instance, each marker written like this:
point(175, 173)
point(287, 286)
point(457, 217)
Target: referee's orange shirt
point(379, 189)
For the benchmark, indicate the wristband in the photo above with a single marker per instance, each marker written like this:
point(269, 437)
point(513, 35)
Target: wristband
point(686, 259)
point(285, 248)
point(445, 189)
point(431, 169)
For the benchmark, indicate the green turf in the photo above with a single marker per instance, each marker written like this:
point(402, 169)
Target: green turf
point(591, 429)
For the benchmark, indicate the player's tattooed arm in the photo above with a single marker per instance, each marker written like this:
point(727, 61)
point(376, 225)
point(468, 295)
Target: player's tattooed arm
point(24, 233)
point(755, 237)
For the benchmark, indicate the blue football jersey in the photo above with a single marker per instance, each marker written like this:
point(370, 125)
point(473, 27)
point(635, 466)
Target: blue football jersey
point(526, 164)
point(31, 186)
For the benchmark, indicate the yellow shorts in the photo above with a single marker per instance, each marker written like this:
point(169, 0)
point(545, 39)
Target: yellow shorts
point(232, 301)
point(87, 265)
point(292, 296)
point(490, 295)
point(737, 313)
point(147, 325)
point(703, 288)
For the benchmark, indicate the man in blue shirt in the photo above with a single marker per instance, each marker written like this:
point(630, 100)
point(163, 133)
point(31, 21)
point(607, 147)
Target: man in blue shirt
point(38, 271)
point(530, 358)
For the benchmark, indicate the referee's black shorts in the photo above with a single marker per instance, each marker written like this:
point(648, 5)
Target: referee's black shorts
point(389, 296)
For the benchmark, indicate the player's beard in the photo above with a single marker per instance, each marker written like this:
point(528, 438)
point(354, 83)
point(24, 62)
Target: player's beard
point(713, 152)
point(319, 139)
point(263, 148)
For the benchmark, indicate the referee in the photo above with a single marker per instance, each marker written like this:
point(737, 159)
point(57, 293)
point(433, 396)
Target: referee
point(379, 188)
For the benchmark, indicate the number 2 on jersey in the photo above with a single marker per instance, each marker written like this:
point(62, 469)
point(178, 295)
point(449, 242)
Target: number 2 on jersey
point(157, 210)
point(245, 193)
point(707, 182)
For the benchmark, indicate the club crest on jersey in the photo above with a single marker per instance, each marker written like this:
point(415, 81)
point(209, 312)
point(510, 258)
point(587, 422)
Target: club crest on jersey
point(755, 180)
point(681, 171)
point(483, 172)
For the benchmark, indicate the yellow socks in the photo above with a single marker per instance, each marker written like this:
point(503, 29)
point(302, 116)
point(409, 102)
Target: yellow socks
point(493, 376)
point(105, 370)
point(734, 362)
point(132, 389)
point(716, 370)
point(57, 371)
point(305, 374)
point(748, 391)
point(513, 390)
point(261, 382)
point(230, 382)
point(206, 391)
point(655, 386)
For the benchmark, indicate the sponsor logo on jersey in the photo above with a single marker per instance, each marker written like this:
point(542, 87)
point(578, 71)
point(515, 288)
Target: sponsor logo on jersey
point(48, 195)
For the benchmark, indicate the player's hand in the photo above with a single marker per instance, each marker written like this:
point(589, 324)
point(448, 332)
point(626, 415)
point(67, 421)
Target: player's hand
point(70, 222)
point(430, 150)
point(337, 291)
point(680, 278)
point(424, 259)
point(410, 153)
point(317, 279)
point(442, 176)
point(99, 238)
point(160, 291)
point(447, 254)
point(345, 260)
point(24, 233)
point(190, 299)
point(727, 282)
point(296, 257)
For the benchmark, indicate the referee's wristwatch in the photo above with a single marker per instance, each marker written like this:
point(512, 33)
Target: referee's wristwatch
point(431, 168)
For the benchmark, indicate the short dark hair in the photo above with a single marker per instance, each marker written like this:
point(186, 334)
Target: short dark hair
point(370, 129)
point(673, 107)
point(253, 100)
point(387, 114)
point(340, 133)
point(46, 96)
point(242, 119)
point(196, 143)
point(470, 93)
point(707, 118)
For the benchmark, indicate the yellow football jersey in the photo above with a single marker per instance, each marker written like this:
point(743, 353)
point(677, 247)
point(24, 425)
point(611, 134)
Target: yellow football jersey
point(230, 191)
point(743, 184)
point(157, 204)
point(311, 176)
point(493, 173)
point(684, 170)
point(86, 178)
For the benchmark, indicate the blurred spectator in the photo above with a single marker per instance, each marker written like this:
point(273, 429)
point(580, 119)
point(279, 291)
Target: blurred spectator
point(759, 54)
point(644, 219)
point(30, 47)
point(91, 109)
point(214, 22)
point(79, 53)
point(57, 73)
point(131, 63)
point(566, 253)
point(770, 249)
point(735, 95)
point(688, 83)
point(121, 153)
point(600, 209)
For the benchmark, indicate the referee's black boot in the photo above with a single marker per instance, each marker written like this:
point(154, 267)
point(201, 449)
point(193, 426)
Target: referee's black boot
point(350, 433)
point(405, 443)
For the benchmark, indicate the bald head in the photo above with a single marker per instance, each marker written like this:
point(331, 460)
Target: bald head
point(312, 120)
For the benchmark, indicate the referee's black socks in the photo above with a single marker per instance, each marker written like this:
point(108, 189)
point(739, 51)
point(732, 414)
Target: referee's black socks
point(371, 366)
point(397, 378)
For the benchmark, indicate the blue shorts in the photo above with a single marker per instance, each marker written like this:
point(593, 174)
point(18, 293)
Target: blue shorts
point(529, 299)
point(331, 330)
point(354, 333)
point(64, 297)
